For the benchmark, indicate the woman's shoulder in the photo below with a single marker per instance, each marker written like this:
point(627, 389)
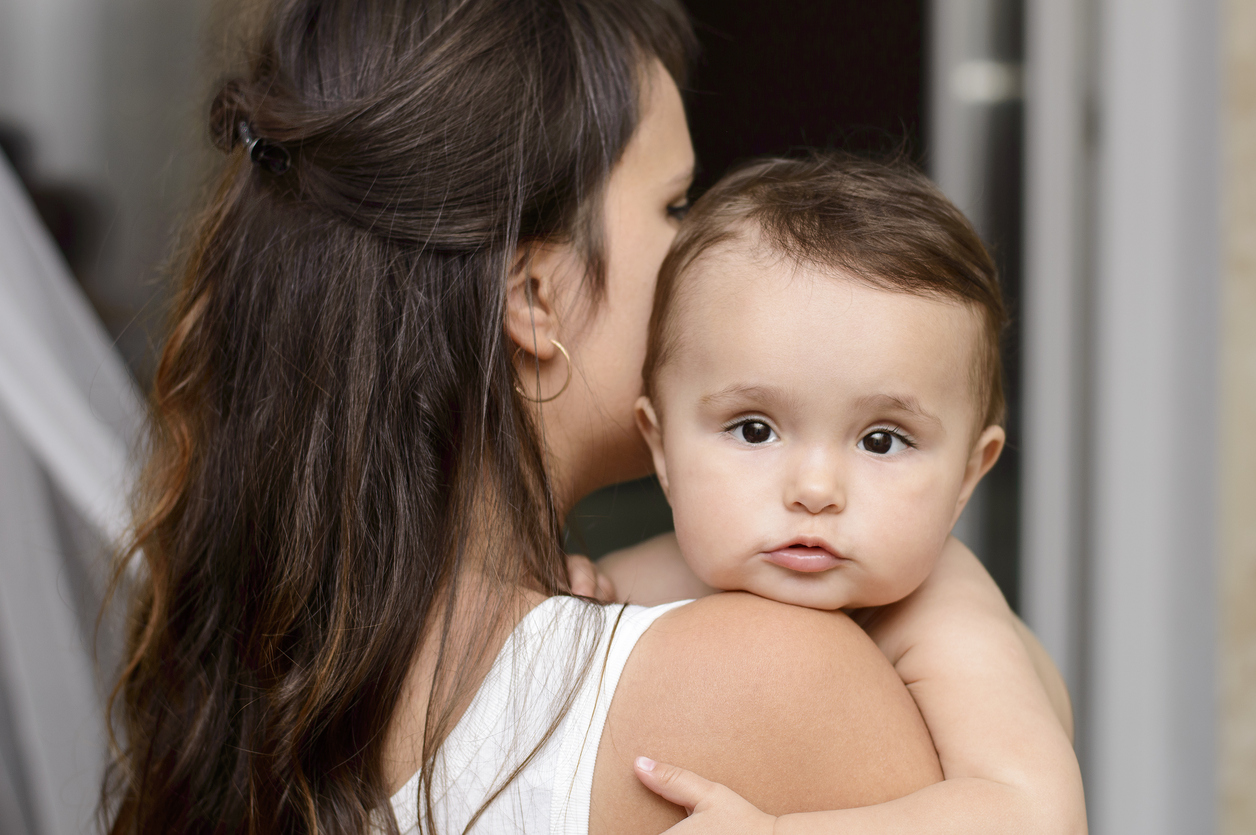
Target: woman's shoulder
point(745, 642)
point(795, 708)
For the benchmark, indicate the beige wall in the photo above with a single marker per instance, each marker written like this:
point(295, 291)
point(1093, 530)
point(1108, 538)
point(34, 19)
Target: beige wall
point(1237, 445)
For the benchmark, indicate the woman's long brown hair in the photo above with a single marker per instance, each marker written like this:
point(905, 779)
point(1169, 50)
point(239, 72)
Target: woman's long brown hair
point(335, 421)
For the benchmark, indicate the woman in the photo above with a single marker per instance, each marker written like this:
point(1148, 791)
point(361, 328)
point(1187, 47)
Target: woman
point(408, 338)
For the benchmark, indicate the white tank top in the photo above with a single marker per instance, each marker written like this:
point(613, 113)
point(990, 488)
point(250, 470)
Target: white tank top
point(524, 694)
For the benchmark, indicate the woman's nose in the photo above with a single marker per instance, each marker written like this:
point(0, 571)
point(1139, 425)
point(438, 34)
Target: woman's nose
point(817, 484)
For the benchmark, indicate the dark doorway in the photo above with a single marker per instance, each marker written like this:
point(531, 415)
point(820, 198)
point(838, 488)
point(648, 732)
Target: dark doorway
point(774, 78)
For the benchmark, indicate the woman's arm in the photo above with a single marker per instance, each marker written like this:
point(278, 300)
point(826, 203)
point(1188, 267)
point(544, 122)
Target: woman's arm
point(793, 708)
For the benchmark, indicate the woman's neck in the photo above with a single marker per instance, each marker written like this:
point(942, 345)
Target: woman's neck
point(470, 619)
point(463, 655)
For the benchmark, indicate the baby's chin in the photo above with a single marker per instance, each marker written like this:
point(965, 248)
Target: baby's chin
point(805, 592)
point(826, 591)
point(815, 598)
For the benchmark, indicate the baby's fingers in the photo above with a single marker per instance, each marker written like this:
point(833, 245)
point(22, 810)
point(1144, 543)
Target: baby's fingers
point(674, 784)
point(587, 581)
point(713, 809)
point(606, 589)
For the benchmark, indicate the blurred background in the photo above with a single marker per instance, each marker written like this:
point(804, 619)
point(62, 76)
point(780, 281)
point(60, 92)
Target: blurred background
point(1106, 151)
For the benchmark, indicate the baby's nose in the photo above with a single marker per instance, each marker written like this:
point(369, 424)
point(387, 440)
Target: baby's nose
point(817, 485)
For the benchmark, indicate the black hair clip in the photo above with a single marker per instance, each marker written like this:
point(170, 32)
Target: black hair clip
point(263, 152)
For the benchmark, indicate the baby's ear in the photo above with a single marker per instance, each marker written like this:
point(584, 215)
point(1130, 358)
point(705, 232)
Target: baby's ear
point(985, 453)
point(652, 431)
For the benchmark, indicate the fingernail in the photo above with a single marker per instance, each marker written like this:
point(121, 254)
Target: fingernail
point(645, 763)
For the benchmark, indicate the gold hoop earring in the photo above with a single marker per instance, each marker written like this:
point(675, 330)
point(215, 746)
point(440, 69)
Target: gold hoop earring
point(556, 394)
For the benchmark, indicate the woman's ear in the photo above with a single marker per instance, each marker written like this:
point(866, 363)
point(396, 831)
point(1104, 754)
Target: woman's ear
point(985, 453)
point(652, 431)
point(532, 295)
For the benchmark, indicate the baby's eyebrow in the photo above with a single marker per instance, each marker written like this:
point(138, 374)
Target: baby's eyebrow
point(737, 392)
point(901, 403)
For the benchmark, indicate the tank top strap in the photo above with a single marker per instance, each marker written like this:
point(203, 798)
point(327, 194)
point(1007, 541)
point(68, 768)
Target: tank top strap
point(529, 686)
point(573, 778)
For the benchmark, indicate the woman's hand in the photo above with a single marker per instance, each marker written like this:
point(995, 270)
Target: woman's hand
point(587, 581)
point(712, 808)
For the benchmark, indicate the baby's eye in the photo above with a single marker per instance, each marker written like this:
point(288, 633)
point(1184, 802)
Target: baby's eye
point(754, 432)
point(883, 442)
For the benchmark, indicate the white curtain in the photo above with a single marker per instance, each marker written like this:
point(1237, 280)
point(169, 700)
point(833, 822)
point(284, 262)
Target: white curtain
point(70, 417)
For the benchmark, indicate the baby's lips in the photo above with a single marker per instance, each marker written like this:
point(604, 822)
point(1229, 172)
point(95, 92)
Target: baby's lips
point(808, 559)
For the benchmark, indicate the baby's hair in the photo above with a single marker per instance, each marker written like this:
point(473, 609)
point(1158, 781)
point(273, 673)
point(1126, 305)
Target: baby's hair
point(883, 223)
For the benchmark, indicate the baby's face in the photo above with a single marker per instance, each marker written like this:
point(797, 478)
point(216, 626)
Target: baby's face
point(815, 435)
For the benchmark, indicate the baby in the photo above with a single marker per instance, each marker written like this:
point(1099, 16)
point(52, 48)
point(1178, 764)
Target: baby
point(822, 395)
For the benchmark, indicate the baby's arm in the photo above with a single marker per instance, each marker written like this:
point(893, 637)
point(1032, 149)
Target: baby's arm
point(651, 573)
point(1048, 673)
point(1005, 752)
point(1003, 740)
point(958, 581)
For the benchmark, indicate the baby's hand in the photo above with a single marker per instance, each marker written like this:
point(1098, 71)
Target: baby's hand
point(712, 808)
point(587, 581)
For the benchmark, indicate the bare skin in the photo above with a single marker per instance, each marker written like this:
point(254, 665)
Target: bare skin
point(827, 471)
point(697, 682)
point(654, 572)
point(795, 709)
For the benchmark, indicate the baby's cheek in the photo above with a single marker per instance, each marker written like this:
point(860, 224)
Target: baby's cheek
point(911, 533)
point(908, 561)
point(701, 555)
point(721, 571)
point(704, 539)
point(714, 510)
